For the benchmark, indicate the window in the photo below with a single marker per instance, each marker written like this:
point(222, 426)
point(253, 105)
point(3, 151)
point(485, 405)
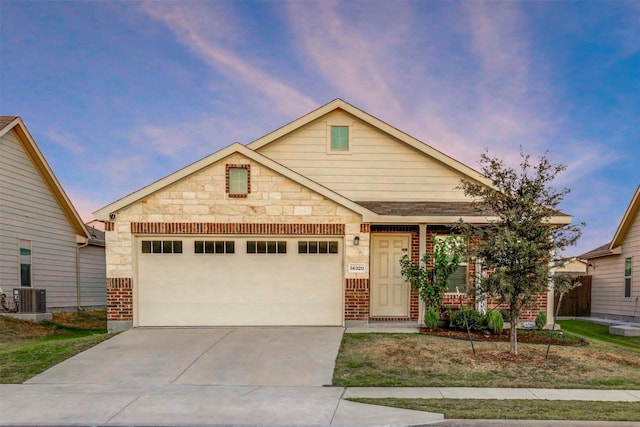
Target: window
point(238, 180)
point(214, 247)
point(458, 280)
point(627, 278)
point(339, 138)
point(162, 246)
point(311, 247)
point(266, 247)
point(25, 263)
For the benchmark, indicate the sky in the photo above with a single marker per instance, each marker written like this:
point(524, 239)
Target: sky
point(118, 94)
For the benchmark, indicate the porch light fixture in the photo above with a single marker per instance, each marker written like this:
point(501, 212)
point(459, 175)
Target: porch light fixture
point(356, 240)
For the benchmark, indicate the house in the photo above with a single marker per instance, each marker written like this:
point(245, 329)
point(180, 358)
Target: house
point(93, 269)
point(43, 242)
point(303, 226)
point(614, 268)
point(574, 266)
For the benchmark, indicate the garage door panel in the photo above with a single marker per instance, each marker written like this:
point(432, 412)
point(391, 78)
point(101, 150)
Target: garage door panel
point(190, 289)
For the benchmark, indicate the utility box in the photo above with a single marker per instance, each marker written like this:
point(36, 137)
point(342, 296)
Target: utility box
point(30, 300)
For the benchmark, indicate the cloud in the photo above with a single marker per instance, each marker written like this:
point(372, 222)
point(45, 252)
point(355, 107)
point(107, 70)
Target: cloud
point(67, 141)
point(212, 33)
point(583, 159)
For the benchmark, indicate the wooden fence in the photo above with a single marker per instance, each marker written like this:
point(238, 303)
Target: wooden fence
point(577, 303)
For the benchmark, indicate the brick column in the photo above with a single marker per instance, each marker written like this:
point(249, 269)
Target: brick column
point(119, 303)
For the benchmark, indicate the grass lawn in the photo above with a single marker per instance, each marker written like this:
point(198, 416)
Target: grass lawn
point(599, 332)
point(518, 409)
point(27, 349)
point(415, 360)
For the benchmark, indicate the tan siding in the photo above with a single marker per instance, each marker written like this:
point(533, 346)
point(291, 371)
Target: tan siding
point(378, 168)
point(607, 294)
point(93, 273)
point(30, 212)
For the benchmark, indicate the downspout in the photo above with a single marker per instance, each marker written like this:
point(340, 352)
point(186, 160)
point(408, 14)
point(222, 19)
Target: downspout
point(84, 245)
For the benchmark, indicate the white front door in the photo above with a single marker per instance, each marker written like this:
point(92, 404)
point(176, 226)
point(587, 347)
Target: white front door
point(389, 290)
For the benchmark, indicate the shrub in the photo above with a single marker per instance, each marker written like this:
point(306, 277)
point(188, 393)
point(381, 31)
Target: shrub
point(431, 318)
point(475, 320)
point(495, 321)
point(541, 319)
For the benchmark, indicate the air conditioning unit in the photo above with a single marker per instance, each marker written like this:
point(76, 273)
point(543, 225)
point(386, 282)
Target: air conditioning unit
point(30, 300)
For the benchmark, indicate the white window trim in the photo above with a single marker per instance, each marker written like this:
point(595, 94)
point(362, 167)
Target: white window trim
point(333, 123)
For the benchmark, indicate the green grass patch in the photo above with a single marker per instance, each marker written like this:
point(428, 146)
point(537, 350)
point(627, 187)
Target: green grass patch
point(418, 360)
point(599, 332)
point(491, 409)
point(28, 349)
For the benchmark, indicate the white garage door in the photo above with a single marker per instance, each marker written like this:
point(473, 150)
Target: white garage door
point(205, 281)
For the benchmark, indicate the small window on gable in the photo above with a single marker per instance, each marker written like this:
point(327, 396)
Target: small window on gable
point(238, 180)
point(339, 139)
point(627, 277)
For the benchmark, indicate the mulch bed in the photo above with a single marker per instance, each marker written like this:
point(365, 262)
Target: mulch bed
point(524, 336)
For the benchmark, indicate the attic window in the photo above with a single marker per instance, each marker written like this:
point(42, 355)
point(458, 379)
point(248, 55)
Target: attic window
point(238, 180)
point(339, 138)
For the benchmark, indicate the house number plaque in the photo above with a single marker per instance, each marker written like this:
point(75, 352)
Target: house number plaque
point(359, 267)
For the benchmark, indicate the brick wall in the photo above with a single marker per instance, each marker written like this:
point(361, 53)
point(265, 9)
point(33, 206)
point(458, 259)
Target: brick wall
point(356, 299)
point(119, 298)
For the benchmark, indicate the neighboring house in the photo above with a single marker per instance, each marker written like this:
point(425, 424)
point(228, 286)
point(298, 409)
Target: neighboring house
point(574, 266)
point(42, 237)
point(304, 226)
point(93, 269)
point(615, 270)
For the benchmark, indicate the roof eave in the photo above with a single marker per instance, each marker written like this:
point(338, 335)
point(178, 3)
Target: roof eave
point(373, 121)
point(627, 220)
point(47, 174)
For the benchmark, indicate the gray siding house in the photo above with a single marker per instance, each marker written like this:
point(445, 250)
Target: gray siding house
point(43, 242)
point(615, 267)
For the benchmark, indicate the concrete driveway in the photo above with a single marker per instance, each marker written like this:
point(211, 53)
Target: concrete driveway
point(206, 356)
point(198, 376)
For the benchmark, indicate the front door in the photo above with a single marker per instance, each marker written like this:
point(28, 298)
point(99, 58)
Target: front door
point(389, 290)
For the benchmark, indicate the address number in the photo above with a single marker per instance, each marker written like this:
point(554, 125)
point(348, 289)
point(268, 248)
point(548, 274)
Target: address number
point(358, 268)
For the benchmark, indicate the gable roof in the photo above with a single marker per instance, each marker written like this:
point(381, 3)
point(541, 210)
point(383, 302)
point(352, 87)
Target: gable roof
point(627, 220)
point(339, 104)
point(15, 123)
point(613, 247)
point(103, 213)
point(388, 212)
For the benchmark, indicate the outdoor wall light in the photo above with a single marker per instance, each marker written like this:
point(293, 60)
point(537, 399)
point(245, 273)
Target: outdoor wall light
point(356, 240)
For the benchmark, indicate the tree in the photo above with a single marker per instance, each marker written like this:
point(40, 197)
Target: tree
point(517, 248)
point(432, 283)
point(562, 283)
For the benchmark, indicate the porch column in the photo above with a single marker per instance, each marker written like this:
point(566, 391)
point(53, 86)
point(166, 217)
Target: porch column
point(422, 233)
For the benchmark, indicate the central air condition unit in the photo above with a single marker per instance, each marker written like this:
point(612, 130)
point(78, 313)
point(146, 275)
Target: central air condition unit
point(30, 300)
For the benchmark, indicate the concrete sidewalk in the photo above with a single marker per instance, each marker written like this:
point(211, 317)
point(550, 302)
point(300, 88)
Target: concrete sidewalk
point(493, 393)
point(182, 405)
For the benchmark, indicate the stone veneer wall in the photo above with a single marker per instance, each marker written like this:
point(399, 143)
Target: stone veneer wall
point(199, 204)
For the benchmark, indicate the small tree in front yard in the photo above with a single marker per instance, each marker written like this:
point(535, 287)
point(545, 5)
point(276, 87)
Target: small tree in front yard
point(562, 283)
point(517, 248)
point(432, 283)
